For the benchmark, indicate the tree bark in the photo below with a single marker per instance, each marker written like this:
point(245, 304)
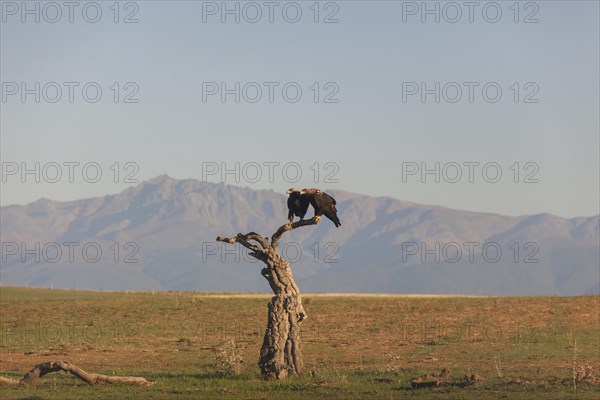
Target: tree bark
point(54, 366)
point(281, 353)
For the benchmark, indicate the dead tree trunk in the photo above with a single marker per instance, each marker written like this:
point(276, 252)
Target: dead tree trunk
point(281, 353)
point(54, 366)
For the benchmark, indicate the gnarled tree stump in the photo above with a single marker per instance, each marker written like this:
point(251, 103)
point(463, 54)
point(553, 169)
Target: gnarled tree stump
point(280, 354)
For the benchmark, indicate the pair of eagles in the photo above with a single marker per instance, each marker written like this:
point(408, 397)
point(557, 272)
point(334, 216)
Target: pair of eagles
point(323, 204)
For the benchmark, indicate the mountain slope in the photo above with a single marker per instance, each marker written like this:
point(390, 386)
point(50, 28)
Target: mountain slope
point(159, 235)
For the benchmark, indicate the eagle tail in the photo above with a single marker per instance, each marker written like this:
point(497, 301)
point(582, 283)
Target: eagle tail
point(336, 220)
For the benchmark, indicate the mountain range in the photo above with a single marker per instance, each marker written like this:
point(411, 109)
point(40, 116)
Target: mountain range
point(160, 235)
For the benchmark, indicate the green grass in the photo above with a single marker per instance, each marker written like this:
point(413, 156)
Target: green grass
point(354, 347)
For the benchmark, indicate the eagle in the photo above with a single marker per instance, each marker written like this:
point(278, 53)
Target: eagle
point(323, 204)
point(297, 204)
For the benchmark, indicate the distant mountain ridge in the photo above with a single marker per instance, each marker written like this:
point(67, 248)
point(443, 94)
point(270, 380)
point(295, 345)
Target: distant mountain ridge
point(385, 245)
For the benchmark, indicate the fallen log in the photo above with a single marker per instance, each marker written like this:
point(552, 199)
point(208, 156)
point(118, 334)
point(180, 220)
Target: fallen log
point(54, 366)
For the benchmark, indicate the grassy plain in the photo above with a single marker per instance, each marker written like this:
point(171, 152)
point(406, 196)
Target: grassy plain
point(354, 346)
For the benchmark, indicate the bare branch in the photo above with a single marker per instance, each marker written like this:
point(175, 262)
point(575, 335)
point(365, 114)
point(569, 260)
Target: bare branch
point(288, 227)
point(244, 240)
point(260, 256)
point(263, 241)
point(226, 239)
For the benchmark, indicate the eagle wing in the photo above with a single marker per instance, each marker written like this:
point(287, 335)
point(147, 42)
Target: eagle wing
point(327, 204)
point(302, 205)
point(298, 206)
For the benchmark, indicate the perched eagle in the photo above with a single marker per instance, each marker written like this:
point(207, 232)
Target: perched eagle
point(322, 203)
point(297, 204)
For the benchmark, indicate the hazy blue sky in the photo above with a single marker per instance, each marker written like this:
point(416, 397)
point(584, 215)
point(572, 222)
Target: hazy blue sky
point(372, 61)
